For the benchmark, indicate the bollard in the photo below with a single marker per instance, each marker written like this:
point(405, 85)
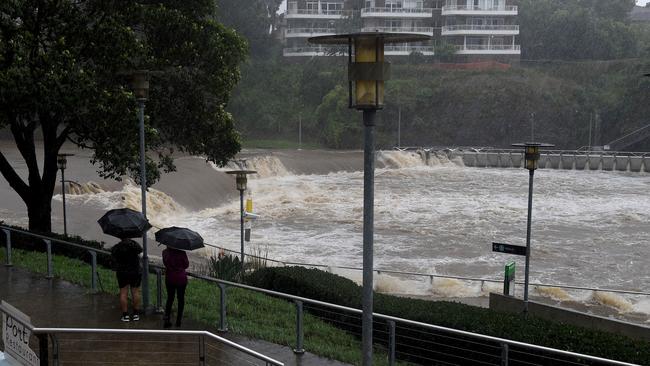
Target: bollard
point(50, 274)
point(223, 326)
point(201, 350)
point(299, 332)
point(42, 349)
point(391, 343)
point(8, 258)
point(504, 354)
point(159, 308)
point(93, 265)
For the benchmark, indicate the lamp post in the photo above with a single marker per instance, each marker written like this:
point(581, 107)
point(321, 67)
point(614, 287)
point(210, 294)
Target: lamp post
point(532, 157)
point(241, 180)
point(62, 162)
point(367, 72)
point(140, 85)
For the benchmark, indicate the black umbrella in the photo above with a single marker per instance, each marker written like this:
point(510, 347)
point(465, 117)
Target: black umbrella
point(124, 223)
point(179, 238)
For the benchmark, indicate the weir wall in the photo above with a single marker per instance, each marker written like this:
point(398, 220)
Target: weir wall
point(572, 161)
point(511, 304)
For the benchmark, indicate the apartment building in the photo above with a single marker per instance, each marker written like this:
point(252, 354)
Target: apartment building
point(474, 29)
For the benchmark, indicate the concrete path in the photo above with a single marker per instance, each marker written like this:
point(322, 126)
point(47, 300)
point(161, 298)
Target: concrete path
point(57, 303)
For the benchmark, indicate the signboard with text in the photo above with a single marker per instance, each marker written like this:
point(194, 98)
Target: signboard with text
point(508, 248)
point(15, 336)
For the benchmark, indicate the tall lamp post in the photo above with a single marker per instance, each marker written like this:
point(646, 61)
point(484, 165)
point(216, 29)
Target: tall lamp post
point(367, 72)
point(241, 180)
point(140, 85)
point(62, 162)
point(532, 157)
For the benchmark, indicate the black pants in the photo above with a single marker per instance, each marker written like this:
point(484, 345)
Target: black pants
point(172, 290)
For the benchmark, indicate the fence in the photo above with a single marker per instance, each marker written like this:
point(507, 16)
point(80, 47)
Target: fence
point(400, 338)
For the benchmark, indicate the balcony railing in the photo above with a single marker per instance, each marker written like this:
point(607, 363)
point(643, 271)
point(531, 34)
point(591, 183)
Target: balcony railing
point(316, 13)
point(407, 50)
point(479, 29)
point(308, 32)
point(314, 51)
point(392, 12)
point(471, 9)
point(488, 49)
point(420, 30)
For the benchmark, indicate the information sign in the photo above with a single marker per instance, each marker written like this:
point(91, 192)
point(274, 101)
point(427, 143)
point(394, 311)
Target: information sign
point(508, 249)
point(509, 280)
point(15, 336)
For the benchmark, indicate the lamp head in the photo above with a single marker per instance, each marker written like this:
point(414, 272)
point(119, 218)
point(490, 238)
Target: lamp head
point(367, 70)
point(62, 160)
point(532, 152)
point(241, 178)
point(140, 84)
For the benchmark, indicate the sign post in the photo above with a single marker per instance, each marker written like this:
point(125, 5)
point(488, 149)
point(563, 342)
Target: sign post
point(16, 331)
point(509, 280)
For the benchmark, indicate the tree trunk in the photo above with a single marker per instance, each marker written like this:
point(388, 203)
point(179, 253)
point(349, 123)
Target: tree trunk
point(39, 211)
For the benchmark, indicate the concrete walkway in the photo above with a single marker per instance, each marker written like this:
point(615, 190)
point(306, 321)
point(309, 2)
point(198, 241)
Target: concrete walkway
point(57, 303)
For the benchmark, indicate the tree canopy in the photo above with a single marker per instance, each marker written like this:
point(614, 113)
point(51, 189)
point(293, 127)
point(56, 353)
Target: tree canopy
point(64, 67)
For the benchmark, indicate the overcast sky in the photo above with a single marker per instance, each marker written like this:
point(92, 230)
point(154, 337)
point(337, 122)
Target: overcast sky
point(283, 7)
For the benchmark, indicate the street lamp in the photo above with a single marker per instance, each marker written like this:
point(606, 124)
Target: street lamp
point(241, 180)
point(367, 72)
point(140, 85)
point(532, 157)
point(62, 162)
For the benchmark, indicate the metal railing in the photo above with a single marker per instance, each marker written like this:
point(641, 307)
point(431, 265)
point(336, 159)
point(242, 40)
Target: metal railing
point(426, 30)
point(316, 12)
point(508, 8)
point(315, 50)
point(49, 336)
point(311, 31)
point(427, 50)
point(488, 47)
point(427, 11)
point(501, 350)
point(470, 27)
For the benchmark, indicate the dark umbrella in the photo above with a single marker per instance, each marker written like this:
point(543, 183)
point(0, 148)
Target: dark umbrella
point(124, 223)
point(179, 238)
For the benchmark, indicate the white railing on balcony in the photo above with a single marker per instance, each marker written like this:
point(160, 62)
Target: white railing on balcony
point(407, 50)
point(419, 30)
point(307, 32)
point(487, 49)
point(314, 51)
point(455, 9)
point(398, 11)
point(469, 27)
point(317, 12)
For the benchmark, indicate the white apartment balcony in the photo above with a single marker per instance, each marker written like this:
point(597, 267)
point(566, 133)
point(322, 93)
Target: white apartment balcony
point(492, 30)
point(478, 10)
point(492, 49)
point(400, 50)
point(309, 32)
point(427, 31)
point(315, 14)
point(313, 51)
point(396, 12)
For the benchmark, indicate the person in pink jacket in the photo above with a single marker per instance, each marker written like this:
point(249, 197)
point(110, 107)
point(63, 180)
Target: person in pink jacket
point(176, 263)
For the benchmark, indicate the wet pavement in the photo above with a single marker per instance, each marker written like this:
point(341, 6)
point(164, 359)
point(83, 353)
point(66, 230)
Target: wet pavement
point(60, 304)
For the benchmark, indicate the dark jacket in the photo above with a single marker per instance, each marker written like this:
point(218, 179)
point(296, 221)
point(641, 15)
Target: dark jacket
point(176, 263)
point(125, 256)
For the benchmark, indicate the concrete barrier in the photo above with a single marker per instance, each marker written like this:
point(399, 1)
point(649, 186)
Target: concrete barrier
point(580, 162)
point(553, 161)
point(504, 160)
point(636, 163)
point(514, 305)
point(567, 161)
point(492, 160)
point(622, 163)
point(607, 162)
point(517, 159)
point(481, 160)
point(469, 158)
point(593, 162)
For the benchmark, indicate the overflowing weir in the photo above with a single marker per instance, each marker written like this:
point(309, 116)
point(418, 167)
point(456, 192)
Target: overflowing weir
point(571, 160)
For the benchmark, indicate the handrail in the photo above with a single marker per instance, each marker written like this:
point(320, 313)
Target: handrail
point(55, 240)
point(299, 299)
point(397, 10)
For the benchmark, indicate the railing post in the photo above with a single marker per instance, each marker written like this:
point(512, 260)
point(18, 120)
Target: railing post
point(299, 331)
point(55, 350)
point(159, 308)
point(223, 326)
point(42, 349)
point(48, 244)
point(93, 268)
point(8, 237)
point(201, 350)
point(391, 343)
point(504, 354)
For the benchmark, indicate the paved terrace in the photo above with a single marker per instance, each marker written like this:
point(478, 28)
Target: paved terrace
point(60, 304)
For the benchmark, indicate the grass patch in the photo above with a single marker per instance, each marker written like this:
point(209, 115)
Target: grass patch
point(279, 144)
point(249, 313)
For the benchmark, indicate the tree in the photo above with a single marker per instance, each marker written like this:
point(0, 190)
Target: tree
point(62, 77)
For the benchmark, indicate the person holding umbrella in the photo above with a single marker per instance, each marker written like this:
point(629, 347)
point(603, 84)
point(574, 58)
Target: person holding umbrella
point(177, 240)
point(125, 223)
